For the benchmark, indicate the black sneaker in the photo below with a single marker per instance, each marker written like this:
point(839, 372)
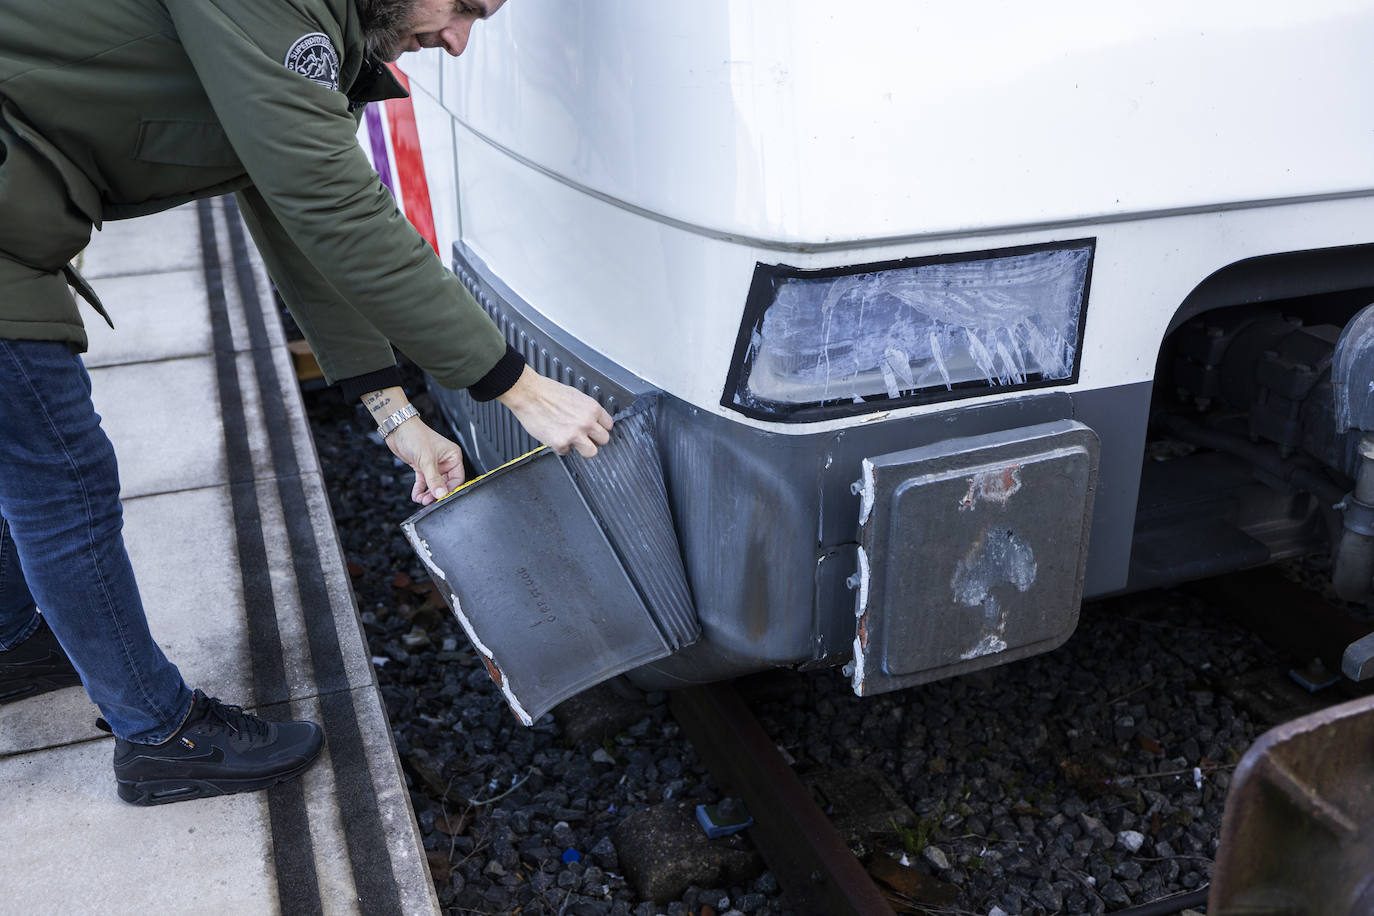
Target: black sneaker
point(35, 666)
point(218, 751)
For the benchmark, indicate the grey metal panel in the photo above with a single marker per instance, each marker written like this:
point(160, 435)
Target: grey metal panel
point(1120, 417)
point(845, 452)
point(756, 513)
point(623, 485)
point(535, 583)
point(747, 509)
point(564, 571)
point(765, 520)
point(971, 552)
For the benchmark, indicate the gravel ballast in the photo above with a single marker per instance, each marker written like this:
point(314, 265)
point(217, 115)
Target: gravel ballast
point(1081, 781)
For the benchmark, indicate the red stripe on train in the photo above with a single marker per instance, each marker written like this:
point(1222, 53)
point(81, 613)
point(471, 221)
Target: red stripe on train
point(410, 162)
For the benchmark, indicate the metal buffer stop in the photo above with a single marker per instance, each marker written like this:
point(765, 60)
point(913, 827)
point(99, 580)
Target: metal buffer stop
point(971, 552)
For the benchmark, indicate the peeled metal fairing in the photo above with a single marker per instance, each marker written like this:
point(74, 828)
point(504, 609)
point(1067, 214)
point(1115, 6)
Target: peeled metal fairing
point(563, 571)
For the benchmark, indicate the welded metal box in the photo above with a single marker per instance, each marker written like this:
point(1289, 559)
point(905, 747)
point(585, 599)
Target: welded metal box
point(563, 571)
point(971, 552)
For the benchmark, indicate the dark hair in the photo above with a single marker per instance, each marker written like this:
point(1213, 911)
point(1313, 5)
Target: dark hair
point(384, 25)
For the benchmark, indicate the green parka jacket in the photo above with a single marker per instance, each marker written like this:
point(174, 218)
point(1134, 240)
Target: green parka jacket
point(141, 105)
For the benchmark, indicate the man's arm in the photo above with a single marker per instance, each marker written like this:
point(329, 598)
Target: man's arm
point(296, 140)
point(351, 350)
point(540, 404)
point(332, 227)
point(437, 462)
point(344, 342)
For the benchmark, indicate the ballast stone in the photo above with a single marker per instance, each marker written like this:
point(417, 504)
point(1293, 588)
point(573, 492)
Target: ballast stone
point(663, 852)
point(1131, 839)
point(936, 856)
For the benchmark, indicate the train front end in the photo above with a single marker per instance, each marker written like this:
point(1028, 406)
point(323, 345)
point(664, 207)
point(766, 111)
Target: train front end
point(900, 274)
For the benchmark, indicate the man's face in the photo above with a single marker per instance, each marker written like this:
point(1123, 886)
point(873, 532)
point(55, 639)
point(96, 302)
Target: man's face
point(443, 24)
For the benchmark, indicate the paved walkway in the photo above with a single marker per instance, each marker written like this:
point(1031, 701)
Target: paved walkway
point(234, 545)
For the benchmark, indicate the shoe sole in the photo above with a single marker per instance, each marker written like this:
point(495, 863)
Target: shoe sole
point(165, 791)
point(32, 687)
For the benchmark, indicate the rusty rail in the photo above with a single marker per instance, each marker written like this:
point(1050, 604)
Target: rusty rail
point(814, 867)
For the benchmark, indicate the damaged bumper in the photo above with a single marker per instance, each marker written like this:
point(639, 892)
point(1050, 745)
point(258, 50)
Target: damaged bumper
point(972, 546)
point(563, 571)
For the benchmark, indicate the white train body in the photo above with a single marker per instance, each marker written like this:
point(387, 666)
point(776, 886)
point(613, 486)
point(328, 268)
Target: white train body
point(1024, 202)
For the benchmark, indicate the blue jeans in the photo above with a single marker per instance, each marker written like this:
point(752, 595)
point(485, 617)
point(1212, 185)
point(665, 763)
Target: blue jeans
point(61, 547)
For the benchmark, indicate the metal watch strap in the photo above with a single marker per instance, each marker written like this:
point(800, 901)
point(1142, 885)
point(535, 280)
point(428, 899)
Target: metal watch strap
point(388, 426)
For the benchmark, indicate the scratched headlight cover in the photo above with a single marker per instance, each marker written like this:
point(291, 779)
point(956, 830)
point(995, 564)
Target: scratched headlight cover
point(819, 343)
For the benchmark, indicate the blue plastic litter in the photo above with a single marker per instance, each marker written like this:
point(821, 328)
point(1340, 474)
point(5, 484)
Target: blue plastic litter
point(570, 856)
point(723, 820)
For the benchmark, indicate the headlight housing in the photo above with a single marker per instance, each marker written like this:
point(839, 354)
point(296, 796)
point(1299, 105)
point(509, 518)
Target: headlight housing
point(817, 344)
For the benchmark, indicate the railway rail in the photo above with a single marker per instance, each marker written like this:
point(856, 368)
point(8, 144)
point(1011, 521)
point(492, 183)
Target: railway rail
point(1293, 841)
point(1293, 837)
point(809, 857)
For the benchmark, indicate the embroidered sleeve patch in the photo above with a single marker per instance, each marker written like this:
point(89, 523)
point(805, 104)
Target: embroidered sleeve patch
point(314, 57)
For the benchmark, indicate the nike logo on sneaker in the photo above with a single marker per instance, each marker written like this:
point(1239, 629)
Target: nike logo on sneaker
point(212, 754)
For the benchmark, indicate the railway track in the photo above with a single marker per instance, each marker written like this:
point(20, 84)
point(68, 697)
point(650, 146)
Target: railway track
point(819, 872)
point(814, 861)
point(807, 854)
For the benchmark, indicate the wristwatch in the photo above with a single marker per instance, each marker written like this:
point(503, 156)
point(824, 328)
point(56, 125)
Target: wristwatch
point(389, 425)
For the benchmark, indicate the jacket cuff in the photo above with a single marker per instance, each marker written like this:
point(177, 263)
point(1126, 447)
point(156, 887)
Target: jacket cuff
point(500, 379)
point(354, 388)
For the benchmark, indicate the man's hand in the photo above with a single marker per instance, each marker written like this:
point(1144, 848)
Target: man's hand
point(437, 462)
point(560, 417)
